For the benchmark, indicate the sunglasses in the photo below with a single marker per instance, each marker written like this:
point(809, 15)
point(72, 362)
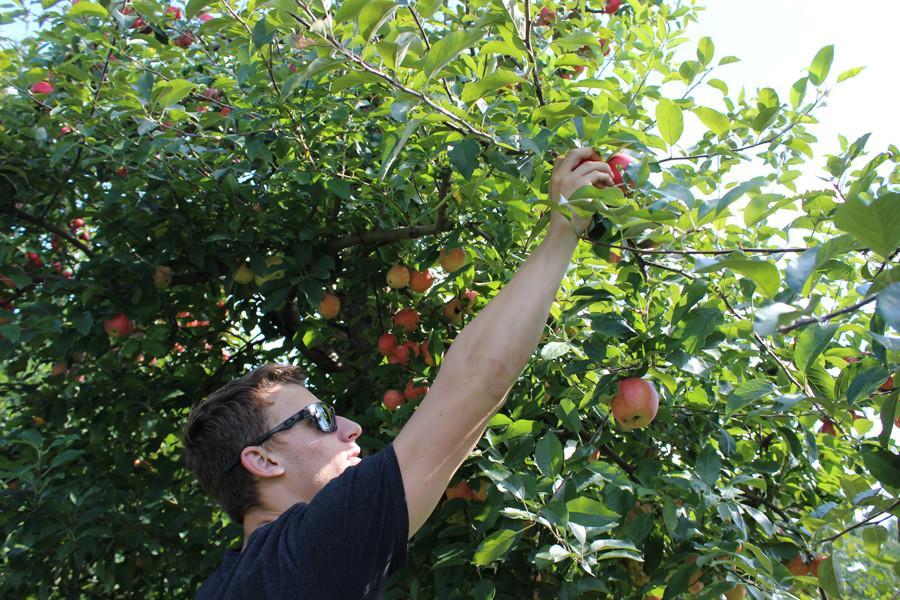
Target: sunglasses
point(321, 414)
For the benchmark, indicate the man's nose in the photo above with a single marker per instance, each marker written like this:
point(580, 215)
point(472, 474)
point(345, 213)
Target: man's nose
point(347, 429)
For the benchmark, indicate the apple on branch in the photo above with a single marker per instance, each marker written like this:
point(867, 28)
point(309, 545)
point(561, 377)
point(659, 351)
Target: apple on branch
point(636, 403)
point(330, 306)
point(398, 277)
point(453, 259)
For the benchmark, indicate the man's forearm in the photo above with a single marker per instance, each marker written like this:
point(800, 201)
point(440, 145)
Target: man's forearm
point(492, 350)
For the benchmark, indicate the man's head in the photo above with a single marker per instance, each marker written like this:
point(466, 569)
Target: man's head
point(290, 466)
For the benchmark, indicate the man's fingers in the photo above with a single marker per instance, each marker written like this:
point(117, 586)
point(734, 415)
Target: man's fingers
point(575, 157)
point(601, 177)
point(592, 165)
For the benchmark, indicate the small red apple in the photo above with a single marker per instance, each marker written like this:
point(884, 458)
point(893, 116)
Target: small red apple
point(42, 87)
point(34, 259)
point(205, 17)
point(453, 259)
point(827, 427)
point(330, 306)
point(407, 319)
point(184, 40)
point(174, 11)
point(122, 172)
point(162, 277)
point(420, 281)
point(399, 356)
point(814, 564)
point(412, 392)
point(619, 162)
point(386, 343)
point(614, 257)
point(888, 385)
point(225, 111)
point(393, 399)
point(636, 403)
point(797, 566)
point(398, 277)
point(545, 17)
point(460, 490)
point(612, 6)
point(453, 311)
point(468, 301)
point(118, 326)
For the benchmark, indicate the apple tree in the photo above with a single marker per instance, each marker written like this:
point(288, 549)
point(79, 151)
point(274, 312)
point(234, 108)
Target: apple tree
point(187, 191)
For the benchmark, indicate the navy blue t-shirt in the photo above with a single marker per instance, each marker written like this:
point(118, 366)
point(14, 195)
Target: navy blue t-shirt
point(343, 545)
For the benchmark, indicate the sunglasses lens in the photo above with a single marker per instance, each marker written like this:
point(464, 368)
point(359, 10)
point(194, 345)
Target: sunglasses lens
point(325, 418)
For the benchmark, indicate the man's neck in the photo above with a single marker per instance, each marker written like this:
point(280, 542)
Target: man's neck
point(255, 519)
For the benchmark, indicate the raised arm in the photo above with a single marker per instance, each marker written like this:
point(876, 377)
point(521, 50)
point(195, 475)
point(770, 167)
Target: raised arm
point(489, 354)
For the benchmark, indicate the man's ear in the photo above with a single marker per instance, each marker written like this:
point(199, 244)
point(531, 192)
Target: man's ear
point(260, 463)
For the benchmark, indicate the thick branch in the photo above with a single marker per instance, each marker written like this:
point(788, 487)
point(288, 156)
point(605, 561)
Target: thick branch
point(702, 252)
point(535, 74)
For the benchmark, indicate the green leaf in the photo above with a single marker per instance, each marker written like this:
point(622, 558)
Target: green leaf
point(883, 464)
point(876, 224)
point(464, 156)
point(263, 33)
point(764, 522)
point(888, 305)
point(590, 513)
point(705, 50)
point(373, 15)
point(553, 350)
point(348, 10)
point(798, 91)
point(195, 6)
point(171, 92)
point(763, 273)
point(829, 578)
point(748, 392)
point(398, 144)
point(865, 383)
point(474, 90)
point(821, 64)
point(448, 48)
point(850, 73)
point(494, 547)
point(669, 120)
point(698, 325)
point(87, 8)
point(713, 119)
point(888, 414)
point(548, 455)
point(708, 465)
point(811, 342)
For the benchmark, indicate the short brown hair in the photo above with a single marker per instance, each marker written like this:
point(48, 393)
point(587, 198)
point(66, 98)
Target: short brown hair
point(222, 424)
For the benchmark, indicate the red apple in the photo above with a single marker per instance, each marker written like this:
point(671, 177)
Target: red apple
point(393, 399)
point(460, 490)
point(814, 564)
point(42, 87)
point(406, 319)
point(330, 306)
point(545, 17)
point(453, 259)
point(412, 392)
point(398, 277)
point(174, 11)
point(118, 326)
point(162, 277)
point(614, 257)
point(225, 111)
point(888, 385)
point(205, 17)
point(399, 356)
point(619, 162)
point(827, 427)
point(738, 592)
point(386, 343)
point(420, 281)
point(636, 403)
point(453, 311)
point(35, 259)
point(798, 566)
point(184, 40)
point(612, 6)
point(468, 301)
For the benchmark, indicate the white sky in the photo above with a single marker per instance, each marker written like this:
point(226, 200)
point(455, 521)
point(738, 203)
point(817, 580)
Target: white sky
point(777, 39)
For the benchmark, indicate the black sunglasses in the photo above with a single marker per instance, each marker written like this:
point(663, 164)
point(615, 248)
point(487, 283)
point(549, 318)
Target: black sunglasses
point(322, 416)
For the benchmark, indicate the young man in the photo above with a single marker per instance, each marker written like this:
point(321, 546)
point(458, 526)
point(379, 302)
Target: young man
point(318, 521)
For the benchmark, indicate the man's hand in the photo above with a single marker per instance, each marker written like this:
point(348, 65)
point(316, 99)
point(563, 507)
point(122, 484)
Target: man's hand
point(576, 169)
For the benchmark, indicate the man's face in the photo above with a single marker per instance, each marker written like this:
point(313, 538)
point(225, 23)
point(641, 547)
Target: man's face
point(310, 458)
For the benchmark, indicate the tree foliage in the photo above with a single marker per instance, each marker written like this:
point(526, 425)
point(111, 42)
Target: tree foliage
point(209, 173)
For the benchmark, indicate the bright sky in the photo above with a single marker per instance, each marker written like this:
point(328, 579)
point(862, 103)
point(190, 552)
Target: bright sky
point(777, 39)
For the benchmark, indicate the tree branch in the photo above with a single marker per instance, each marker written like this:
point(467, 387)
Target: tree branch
point(860, 524)
point(25, 216)
point(353, 57)
point(825, 318)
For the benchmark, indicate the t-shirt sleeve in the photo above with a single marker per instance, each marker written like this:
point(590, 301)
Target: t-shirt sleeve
point(354, 532)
